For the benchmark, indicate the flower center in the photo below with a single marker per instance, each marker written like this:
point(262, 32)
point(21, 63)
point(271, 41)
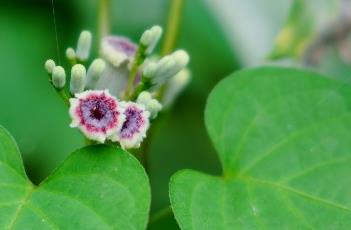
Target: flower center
point(96, 113)
point(134, 121)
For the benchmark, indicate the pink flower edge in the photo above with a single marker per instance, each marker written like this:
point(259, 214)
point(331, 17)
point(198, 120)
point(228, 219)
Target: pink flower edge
point(134, 127)
point(97, 114)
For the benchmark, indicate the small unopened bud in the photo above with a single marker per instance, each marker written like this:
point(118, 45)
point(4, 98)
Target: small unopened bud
point(181, 58)
point(58, 77)
point(166, 68)
point(84, 45)
point(70, 54)
point(95, 70)
point(150, 38)
point(49, 66)
point(150, 69)
point(78, 76)
point(153, 106)
point(144, 97)
point(175, 86)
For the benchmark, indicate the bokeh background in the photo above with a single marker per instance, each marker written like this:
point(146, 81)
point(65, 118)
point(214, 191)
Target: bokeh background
point(221, 36)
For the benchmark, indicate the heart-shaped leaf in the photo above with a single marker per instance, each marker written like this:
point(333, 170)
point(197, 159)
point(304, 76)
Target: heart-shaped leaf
point(97, 187)
point(284, 141)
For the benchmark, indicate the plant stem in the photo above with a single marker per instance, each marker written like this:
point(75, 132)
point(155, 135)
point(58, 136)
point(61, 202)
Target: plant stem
point(103, 19)
point(160, 214)
point(168, 45)
point(63, 95)
point(144, 156)
point(174, 18)
point(139, 59)
point(61, 92)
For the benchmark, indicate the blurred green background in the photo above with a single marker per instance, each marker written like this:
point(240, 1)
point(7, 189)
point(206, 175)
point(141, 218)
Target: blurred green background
point(221, 37)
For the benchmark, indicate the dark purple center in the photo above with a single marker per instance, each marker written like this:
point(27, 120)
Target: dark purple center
point(134, 121)
point(98, 113)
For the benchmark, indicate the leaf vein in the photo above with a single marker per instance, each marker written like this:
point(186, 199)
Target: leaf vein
point(300, 193)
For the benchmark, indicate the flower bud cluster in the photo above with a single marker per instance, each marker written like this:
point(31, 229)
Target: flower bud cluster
point(83, 48)
point(152, 105)
point(115, 97)
point(161, 71)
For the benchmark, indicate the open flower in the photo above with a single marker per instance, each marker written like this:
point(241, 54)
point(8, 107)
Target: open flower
point(118, 53)
point(97, 114)
point(135, 126)
point(117, 50)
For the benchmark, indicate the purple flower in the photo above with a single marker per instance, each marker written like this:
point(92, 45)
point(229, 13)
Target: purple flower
point(97, 114)
point(118, 50)
point(134, 127)
point(119, 53)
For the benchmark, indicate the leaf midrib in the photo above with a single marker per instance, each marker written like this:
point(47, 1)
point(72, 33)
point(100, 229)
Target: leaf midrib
point(295, 191)
point(287, 140)
point(21, 205)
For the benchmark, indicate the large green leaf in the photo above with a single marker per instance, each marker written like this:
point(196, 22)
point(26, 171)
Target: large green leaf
point(283, 137)
point(97, 187)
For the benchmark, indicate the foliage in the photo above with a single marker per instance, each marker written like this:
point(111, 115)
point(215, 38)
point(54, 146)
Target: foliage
point(97, 187)
point(283, 139)
point(281, 134)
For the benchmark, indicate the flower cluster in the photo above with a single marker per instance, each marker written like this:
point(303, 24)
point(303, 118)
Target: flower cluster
point(121, 91)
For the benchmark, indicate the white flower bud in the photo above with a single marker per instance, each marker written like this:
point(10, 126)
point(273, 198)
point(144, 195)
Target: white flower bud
point(144, 97)
point(70, 54)
point(150, 69)
point(78, 76)
point(95, 70)
point(50, 65)
point(150, 38)
point(181, 58)
point(58, 77)
point(153, 106)
point(166, 68)
point(84, 45)
point(175, 86)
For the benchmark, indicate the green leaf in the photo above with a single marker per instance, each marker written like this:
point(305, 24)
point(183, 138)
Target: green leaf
point(283, 138)
point(97, 187)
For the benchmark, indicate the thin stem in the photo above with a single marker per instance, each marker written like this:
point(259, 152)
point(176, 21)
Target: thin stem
point(160, 214)
point(142, 86)
point(139, 59)
point(103, 20)
point(174, 18)
point(73, 61)
point(169, 43)
point(63, 95)
point(61, 92)
point(144, 156)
